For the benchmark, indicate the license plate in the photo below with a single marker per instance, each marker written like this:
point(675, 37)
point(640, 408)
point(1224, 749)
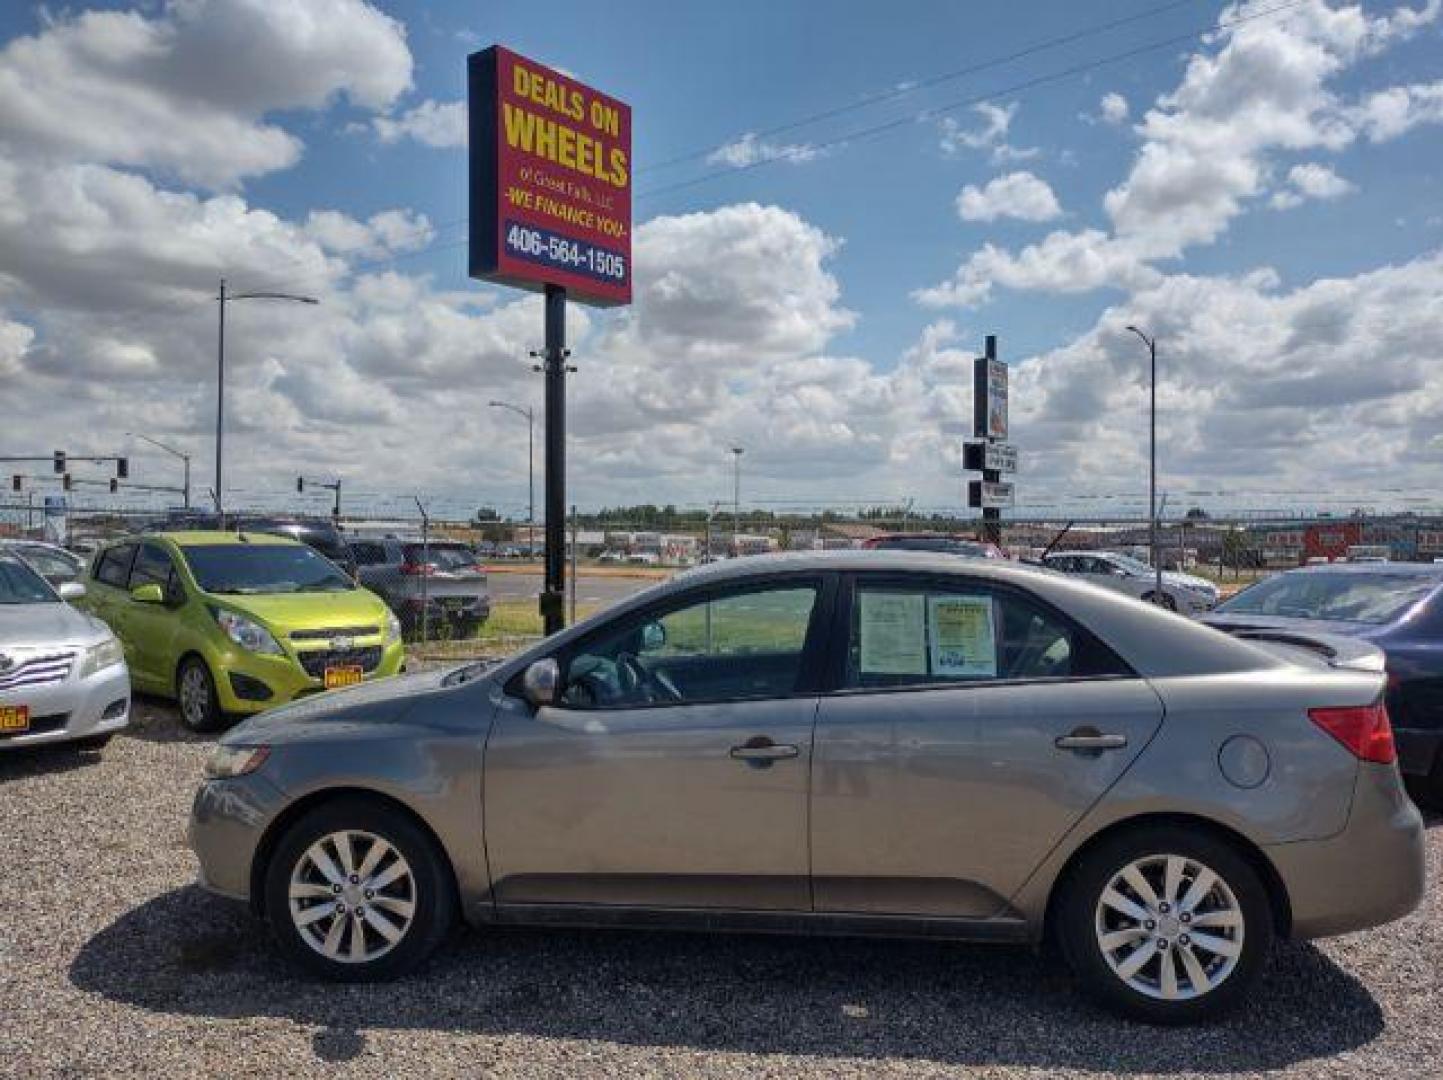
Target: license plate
point(337, 677)
point(453, 603)
point(14, 719)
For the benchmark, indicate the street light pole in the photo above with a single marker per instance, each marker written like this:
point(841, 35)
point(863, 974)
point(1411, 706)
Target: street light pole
point(1151, 343)
point(169, 450)
point(737, 452)
point(222, 299)
point(530, 414)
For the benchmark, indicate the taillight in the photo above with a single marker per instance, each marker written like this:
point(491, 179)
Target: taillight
point(418, 569)
point(1363, 729)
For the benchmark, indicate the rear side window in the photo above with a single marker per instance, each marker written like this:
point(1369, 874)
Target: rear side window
point(112, 567)
point(368, 553)
point(917, 636)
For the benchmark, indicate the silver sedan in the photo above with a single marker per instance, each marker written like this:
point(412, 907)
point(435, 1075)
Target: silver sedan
point(844, 743)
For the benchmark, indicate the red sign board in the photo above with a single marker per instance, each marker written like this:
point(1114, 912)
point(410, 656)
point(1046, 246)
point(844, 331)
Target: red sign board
point(550, 180)
point(1331, 541)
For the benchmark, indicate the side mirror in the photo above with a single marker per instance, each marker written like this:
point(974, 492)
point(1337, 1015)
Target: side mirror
point(542, 683)
point(71, 590)
point(653, 637)
point(147, 594)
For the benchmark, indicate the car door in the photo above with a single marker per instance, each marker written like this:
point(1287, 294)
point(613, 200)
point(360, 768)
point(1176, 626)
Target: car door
point(674, 772)
point(970, 727)
point(106, 589)
point(152, 628)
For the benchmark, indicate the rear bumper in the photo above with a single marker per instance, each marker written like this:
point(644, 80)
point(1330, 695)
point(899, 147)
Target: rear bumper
point(1418, 749)
point(1370, 873)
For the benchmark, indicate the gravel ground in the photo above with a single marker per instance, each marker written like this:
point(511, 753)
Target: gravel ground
point(112, 962)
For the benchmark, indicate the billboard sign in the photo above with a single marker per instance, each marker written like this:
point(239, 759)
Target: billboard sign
point(987, 456)
point(550, 180)
point(988, 496)
point(989, 398)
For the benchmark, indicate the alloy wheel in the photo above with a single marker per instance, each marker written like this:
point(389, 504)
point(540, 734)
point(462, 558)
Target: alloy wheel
point(1169, 927)
point(195, 695)
point(352, 896)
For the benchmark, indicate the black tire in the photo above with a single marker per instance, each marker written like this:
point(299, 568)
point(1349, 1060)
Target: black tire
point(1076, 917)
point(93, 742)
point(1427, 791)
point(199, 712)
point(433, 891)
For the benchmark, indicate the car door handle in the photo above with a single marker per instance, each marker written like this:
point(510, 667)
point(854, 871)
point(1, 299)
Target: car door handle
point(761, 750)
point(1090, 739)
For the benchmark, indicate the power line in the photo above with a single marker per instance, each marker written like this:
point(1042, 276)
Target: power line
point(908, 88)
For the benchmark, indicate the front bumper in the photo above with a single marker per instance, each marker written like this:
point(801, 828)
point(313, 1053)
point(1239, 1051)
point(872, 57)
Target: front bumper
point(72, 709)
point(281, 679)
point(1370, 873)
point(228, 819)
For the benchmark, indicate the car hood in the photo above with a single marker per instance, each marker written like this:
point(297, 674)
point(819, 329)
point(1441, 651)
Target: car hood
point(373, 702)
point(309, 610)
point(48, 624)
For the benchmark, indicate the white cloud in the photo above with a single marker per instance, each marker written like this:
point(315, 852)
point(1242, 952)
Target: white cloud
point(1019, 195)
point(751, 150)
point(385, 233)
point(434, 123)
point(184, 92)
point(1389, 114)
point(1311, 180)
point(991, 136)
point(1113, 108)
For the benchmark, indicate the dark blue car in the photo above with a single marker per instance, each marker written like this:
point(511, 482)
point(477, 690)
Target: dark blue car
point(1396, 606)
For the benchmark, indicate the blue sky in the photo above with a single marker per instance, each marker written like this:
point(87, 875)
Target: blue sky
point(1241, 183)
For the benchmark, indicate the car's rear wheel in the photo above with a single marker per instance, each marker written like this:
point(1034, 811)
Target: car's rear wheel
point(356, 891)
point(195, 691)
point(1165, 924)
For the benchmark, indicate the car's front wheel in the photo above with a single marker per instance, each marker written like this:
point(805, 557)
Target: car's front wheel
point(195, 690)
point(356, 891)
point(1165, 924)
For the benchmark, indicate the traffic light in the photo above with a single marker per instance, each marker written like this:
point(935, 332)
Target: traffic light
point(114, 485)
point(17, 482)
point(59, 462)
point(122, 469)
point(65, 481)
point(300, 484)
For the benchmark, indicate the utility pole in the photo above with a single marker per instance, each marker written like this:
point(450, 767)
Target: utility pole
point(1151, 343)
point(737, 452)
point(530, 414)
point(184, 457)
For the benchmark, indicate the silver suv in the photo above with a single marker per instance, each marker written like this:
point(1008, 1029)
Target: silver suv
point(62, 672)
point(435, 585)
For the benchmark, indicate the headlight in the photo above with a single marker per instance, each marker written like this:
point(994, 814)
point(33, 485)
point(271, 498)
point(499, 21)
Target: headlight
point(247, 633)
point(393, 626)
point(99, 657)
point(228, 761)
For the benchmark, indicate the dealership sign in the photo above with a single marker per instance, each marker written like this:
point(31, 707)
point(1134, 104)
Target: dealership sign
point(551, 180)
point(989, 496)
point(989, 398)
point(982, 456)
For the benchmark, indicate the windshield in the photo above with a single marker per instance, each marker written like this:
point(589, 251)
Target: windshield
point(263, 568)
point(21, 585)
point(1351, 597)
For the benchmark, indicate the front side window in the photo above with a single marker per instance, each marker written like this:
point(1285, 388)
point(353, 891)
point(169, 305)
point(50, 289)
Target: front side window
point(112, 566)
point(728, 647)
point(153, 567)
point(54, 565)
point(243, 569)
point(19, 584)
point(904, 636)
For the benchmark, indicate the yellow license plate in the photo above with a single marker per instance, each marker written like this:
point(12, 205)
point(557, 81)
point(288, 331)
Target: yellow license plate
point(337, 677)
point(14, 718)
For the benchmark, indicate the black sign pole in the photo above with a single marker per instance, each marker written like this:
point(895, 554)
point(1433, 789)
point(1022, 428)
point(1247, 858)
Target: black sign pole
point(554, 591)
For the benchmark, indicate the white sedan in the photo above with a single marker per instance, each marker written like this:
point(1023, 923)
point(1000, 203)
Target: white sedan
point(62, 672)
point(1180, 592)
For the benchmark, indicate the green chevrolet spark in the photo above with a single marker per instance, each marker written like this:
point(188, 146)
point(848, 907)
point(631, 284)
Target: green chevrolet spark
point(231, 623)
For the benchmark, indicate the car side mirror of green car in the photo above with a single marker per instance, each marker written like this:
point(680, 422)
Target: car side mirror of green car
point(147, 594)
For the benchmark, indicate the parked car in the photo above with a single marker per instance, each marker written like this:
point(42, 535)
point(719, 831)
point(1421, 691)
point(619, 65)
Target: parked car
point(845, 742)
point(1180, 592)
point(441, 578)
point(950, 545)
point(62, 673)
point(1397, 607)
point(322, 534)
point(53, 563)
point(231, 623)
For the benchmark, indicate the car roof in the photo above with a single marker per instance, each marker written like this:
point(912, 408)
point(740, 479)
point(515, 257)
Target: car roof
point(211, 538)
point(853, 559)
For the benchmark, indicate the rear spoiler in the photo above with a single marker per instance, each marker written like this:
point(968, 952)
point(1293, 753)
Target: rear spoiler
point(1336, 650)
